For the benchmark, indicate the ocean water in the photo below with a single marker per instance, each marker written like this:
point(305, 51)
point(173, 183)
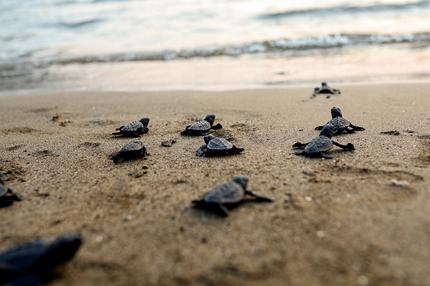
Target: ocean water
point(50, 42)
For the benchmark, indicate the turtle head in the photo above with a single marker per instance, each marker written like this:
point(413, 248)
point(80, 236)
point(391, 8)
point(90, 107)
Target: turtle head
point(328, 130)
point(144, 121)
point(208, 138)
point(210, 118)
point(324, 84)
point(336, 112)
point(241, 180)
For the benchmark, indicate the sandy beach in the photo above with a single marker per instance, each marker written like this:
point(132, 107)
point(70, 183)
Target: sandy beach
point(362, 218)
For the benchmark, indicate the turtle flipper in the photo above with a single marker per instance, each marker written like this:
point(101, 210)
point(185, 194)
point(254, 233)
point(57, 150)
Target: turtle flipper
point(117, 158)
point(259, 198)
point(347, 147)
point(117, 133)
point(218, 209)
point(349, 130)
point(336, 91)
point(202, 151)
point(319, 127)
point(222, 210)
point(326, 155)
point(356, 128)
point(236, 150)
point(186, 131)
point(299, 145)
point(216, 127)
point(5, 203)
point(14, 196)
point(299, 153)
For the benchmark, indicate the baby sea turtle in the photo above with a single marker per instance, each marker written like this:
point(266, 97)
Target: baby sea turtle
point(34, 262)
point(227, 196)
point(340, 124)
point(133, 150)
point(321, 145)
point(202, 127)
point(133, 129)
point(325, 89)
point(7, 195)
point(217, 146)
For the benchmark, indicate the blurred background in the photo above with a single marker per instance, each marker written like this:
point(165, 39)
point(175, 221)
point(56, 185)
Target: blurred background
point(208, 44)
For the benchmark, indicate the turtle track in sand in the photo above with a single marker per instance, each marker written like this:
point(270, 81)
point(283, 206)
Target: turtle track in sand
point(12, 171)
point(18, 130)
point(385, 185)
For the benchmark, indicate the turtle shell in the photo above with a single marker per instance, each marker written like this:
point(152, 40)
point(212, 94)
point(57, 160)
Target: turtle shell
point(339, 123)
point(319, 144)
point(3, 190)
point(38, 255)
point(201, 125)
point(132, 147)
point(218, 143)
point(132, 126)
point(226, 193)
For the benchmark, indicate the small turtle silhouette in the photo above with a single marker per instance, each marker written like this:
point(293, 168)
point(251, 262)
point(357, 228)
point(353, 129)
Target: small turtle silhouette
point(34, 262)
point(217, 146)
point(321, 146)
point(227, 196)
point(325, 89)
point(202, 127)
point(7, 195)
point(340, 124)
point(131, 151)
point(133, 129)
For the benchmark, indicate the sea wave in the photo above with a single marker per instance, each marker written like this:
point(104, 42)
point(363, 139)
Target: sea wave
point(271, 46)
point(346, 9)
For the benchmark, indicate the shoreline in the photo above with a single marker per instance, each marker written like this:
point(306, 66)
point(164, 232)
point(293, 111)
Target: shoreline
point(345, 221)
point(304, 85)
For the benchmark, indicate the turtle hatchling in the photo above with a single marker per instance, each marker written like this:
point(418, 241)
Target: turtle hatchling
point(227, 196)
point(217, 146)
point(34, 262)
point(202, 127)
point(340, 124)
point(131, 151)
point(133, 129)
point(325, 89)
point(7, 195)
point(321, 146)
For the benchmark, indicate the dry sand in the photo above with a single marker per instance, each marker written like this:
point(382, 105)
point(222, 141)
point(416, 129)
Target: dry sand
point(333, 222)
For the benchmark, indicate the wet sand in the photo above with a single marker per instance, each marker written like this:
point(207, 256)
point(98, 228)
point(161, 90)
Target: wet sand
point(362, 218)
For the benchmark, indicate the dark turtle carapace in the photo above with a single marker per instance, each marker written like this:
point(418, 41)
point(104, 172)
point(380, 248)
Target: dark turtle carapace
point(340, 124)
point(325, 89)
point(321, 146)
point(202, 127)
point(34, 262)
point(7, 195)
point(217, 146)
point(131, 151)
point(133, 129)
point(227, 196)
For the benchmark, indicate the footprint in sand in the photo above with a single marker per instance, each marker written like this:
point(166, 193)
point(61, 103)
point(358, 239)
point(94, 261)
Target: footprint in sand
point(14, 147)
point(44, 153)
point(89, 144)
point(106, 122)
point(42, 109)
